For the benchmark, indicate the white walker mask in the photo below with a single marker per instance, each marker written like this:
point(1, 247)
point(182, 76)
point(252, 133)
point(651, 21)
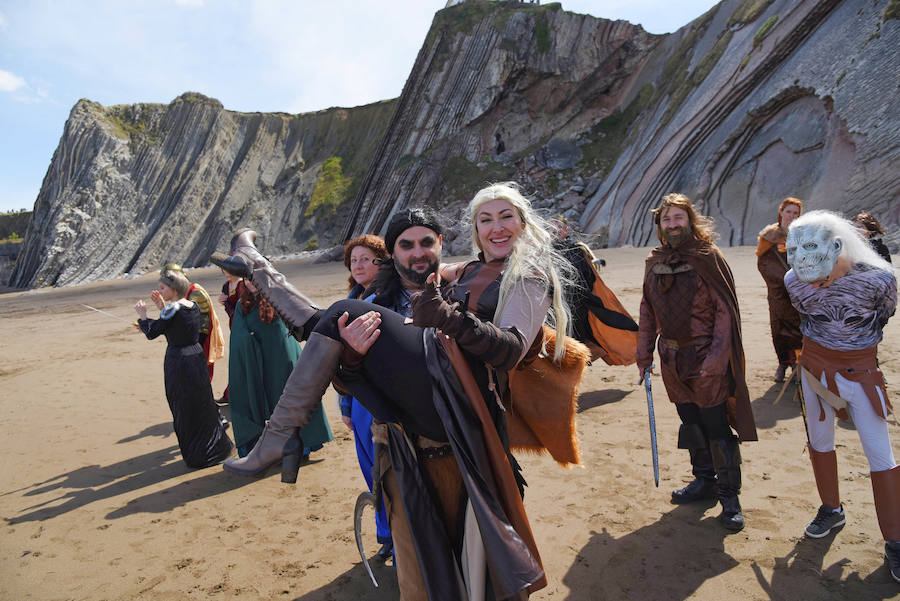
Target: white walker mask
point(812, 251)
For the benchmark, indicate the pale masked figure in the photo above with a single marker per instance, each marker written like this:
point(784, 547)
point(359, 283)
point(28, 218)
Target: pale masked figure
point(812, 252)
point(845, 294)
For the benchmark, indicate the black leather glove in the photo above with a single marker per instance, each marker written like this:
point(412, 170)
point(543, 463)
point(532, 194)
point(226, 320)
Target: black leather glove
point(500, 348)
point(430, 310)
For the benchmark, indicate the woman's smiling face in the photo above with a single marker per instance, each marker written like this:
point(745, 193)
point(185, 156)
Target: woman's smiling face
point(499, 226)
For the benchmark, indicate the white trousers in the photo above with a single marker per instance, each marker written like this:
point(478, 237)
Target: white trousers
point(873, 431)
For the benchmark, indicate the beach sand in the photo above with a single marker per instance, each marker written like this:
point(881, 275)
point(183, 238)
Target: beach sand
point(97, 503)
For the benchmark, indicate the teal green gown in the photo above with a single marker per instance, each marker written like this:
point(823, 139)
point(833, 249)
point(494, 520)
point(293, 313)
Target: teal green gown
point(261, 357)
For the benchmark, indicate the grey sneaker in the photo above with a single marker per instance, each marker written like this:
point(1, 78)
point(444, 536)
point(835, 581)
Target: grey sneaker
point(826, 519)
point(892, 555)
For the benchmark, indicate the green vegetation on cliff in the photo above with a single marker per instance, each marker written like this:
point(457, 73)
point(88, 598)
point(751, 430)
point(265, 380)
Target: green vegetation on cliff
point(748, 11)
point(892, 11)
point(696, 77)
point(462, 177)
point(676, 78)
point(763, 31)
point(131, 122)
point(13, 225)
point(331, 189)
point(463, 18)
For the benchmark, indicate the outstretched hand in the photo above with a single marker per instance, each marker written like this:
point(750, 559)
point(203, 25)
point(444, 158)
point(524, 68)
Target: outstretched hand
point(141, 309)
point(157, 299)
point(362, 332)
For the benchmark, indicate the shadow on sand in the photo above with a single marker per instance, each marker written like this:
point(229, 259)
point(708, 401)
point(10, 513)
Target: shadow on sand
point(597, 398)
point(355, 584)
point(673, 557)
point(93, 483)
point(682, 549)
point(801, 574)
point(768, 413)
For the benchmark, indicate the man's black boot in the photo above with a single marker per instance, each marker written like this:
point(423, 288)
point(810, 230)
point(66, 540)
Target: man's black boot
point(726, 458)
point(692, 438)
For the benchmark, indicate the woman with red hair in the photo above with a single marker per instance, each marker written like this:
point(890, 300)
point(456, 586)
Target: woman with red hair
point(772, 264)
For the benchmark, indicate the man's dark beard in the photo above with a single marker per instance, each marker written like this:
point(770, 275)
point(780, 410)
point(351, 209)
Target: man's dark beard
point(414, 276)
point(676, 240)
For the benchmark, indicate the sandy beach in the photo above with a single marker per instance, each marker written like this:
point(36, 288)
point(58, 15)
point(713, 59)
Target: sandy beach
point(97, 504)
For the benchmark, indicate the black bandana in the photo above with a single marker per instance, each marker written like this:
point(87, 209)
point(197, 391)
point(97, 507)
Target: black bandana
point(406, 219)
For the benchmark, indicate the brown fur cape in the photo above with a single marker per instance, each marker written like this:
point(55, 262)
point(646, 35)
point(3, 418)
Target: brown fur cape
point(543, 401)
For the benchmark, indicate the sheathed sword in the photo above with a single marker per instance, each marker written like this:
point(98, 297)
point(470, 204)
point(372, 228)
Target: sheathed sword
point(648, 388)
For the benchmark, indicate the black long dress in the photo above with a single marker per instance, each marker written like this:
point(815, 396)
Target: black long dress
point(201, 435)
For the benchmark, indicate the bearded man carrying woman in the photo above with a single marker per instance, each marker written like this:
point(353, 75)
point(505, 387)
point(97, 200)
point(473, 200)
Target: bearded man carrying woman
point(437, 378)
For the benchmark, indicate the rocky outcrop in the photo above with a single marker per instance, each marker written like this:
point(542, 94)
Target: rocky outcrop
point(133, 187)
point(751, 102)
point(498, 91)
point(803, 110)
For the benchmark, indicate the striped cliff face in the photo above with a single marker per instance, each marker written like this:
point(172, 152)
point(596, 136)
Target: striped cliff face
point(597, 119)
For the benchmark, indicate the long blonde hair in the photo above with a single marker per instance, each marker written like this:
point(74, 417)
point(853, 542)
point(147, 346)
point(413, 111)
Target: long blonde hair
point(533, 258)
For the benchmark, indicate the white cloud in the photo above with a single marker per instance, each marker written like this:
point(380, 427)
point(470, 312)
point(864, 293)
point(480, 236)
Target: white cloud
point(10, 82)
point(3, 21)
point(191, 3)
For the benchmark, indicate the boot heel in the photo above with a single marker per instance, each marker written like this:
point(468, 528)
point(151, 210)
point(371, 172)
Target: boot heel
point(290, 461)
point(290, 465)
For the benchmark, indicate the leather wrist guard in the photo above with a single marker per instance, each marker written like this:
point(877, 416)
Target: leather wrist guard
point(500, 348)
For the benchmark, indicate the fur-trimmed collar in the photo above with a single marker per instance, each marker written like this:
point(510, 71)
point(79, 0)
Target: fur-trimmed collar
point(773, 233)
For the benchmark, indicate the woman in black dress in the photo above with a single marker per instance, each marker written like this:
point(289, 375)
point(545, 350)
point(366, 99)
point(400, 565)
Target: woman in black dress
point(201, 434)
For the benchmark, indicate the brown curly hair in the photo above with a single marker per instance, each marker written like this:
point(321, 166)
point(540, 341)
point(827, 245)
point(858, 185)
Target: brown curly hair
point(370, 241)
point(868, 221)
point(701, 225)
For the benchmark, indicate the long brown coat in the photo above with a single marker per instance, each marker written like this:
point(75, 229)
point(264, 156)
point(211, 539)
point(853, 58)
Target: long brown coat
point(783, 317)
point(673, 323)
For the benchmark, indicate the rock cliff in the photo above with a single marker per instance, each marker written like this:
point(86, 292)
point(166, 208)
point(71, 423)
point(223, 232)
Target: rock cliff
point(133, 187)
point(751, 102)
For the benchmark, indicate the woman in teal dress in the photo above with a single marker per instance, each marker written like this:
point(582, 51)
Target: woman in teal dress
point(262, 355)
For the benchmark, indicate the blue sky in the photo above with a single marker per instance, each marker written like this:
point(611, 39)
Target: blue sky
point(275, 55)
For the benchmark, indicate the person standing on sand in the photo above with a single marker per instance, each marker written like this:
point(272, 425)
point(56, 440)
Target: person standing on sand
point(231, 293)
point(784, 320)
point(689, 303)
point(872, 231)
point(260, 359)
point(845, 294)
point(211, 338)
point(362, 257)
point(198, 426)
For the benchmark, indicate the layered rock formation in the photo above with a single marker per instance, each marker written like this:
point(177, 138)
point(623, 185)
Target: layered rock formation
point(133, 187)
point(753, 101)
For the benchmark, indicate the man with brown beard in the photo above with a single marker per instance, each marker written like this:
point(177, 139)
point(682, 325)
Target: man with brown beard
point(689, 303)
